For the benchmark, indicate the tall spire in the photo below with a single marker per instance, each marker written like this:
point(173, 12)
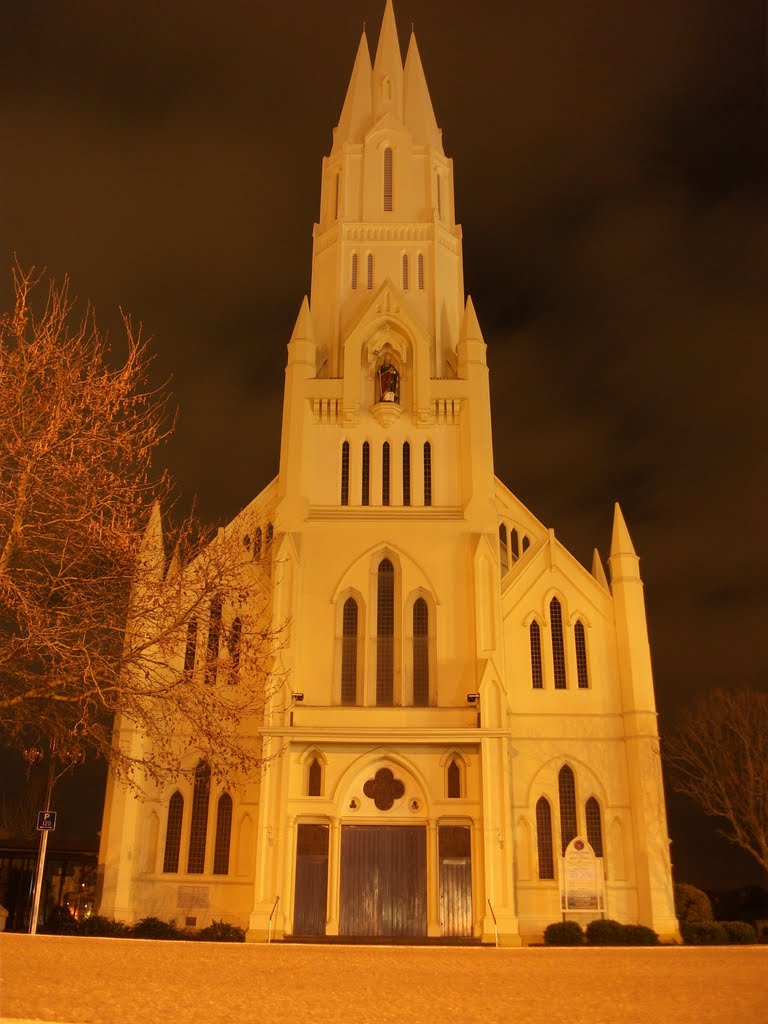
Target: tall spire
point(388, 69)
point(357, 112)
point(419, 113)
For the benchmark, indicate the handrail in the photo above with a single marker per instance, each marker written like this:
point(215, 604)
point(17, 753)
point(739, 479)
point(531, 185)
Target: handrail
point(495, 922)
point(271, 915)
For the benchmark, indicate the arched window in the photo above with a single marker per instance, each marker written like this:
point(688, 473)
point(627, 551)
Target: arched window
point(366, 495)
point(420, 270)
point(526, 544)
point(198, 828)
point(315, 778)
point(214, 636)
point(385, 473)
point(190, 649)
point(594, 826)
point(269, 534)
point(454, 780)
point(514, 543)
point(427, 473)
point(405, 272)
point(387, 180)
point(558, 648)
point(234, 642)
point(257, 543)
point(406, 473)
point(566, 785)
point(349, 652)
point(173, 833)
point(223, 835)
point(537, 676)
point(370, 271)
point(420, 653)
point(544, 838)
point(345, 473)
point(354, 270)
point(385, 633)
point(582, 673)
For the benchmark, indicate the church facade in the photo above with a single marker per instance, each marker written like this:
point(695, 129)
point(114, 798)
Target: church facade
point(469, 745)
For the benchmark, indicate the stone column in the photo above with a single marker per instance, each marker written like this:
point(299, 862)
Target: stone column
point(433, 880)
point(334, 873)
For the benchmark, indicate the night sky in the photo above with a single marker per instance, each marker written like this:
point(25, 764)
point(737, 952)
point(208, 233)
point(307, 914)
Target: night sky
point(610, 163)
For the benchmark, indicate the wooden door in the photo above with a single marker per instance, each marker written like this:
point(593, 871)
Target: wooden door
point(455, 847)
point(311, 900)
point(383, 889)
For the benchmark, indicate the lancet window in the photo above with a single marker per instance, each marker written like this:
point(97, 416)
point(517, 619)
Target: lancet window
point(223, 835)
point(214, 636)
point(385, 632)
point(594, 826)
point(345, 473)
point(173, 833)
point(544, 838)
point(566, 785)
point(453, 780)
point(385, 451)
point(558, 647)
point(315, 778)
point(537, 676)
point(420, 653)
point(365, 498)
point(427, 473)
point(406, 473)
point(349, 643)
point(198, 828)
point(190, 649)
point(582, 672)
point(234, 642)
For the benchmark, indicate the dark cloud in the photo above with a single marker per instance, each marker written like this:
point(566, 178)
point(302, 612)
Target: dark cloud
point(611, 180)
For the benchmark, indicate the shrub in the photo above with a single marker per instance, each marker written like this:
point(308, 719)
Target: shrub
point(154, 928)
point(221, 931)
point(705, 933)
point(60, 922)
point(564, 933)
point(692, 906)
point(739, 932)
point(104, 926)
point(639, 935)
point(605, 933)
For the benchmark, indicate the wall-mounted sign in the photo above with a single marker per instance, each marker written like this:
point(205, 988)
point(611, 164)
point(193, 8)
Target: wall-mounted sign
point(582, 886)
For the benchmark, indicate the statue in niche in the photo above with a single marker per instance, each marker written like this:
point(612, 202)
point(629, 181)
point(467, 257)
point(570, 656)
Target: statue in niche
point(389, 383)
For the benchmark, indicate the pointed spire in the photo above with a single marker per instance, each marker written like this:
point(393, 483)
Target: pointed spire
point(357, 112)
point(174, 566)
point(621, 542)
point(470, 330)
point(304, 329)
point(151, 548)
point(388, 69)
point(419, 112)
point(597, 569)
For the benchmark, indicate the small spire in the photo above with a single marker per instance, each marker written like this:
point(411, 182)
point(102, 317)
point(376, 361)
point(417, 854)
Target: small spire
point(388, 69)
point(304, 329)
point(621, 542)
point(174, 566)
point(151, 559)
point(471, 327)
point(357, 112)
point(419, 112)
point(597, 569)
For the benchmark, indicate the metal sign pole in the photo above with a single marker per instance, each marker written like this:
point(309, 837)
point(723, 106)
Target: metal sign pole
point(41, 853)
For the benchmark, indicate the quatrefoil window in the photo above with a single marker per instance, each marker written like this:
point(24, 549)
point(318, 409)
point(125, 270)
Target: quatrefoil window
point(384, 789)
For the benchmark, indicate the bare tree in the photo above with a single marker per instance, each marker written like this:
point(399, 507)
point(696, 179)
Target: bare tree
point(97, 627)
point(719, 753)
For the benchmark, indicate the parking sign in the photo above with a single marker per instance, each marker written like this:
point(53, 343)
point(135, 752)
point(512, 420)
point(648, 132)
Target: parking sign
point(46, 821)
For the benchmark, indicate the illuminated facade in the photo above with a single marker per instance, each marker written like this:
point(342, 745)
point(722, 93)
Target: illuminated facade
point(468, 698)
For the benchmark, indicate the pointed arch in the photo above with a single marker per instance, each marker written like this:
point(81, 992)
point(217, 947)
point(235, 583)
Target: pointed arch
point(503, 549)
point(314, 778)
point(388, 161)
point(582, 668)
point(345, 473)
point(385, 632)
point(223, 835)
point(544, 838)
point(566, 784)
point(173, 834)
point(594, 822)
point(198, 828)
point(350, 650)
point(537, 674)
point(558, 644)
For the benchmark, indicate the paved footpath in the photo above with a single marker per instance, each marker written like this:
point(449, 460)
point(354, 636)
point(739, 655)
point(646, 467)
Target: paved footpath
point(125, 981)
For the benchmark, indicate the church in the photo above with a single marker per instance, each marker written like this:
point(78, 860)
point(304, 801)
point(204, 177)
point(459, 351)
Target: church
point(468, 750)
